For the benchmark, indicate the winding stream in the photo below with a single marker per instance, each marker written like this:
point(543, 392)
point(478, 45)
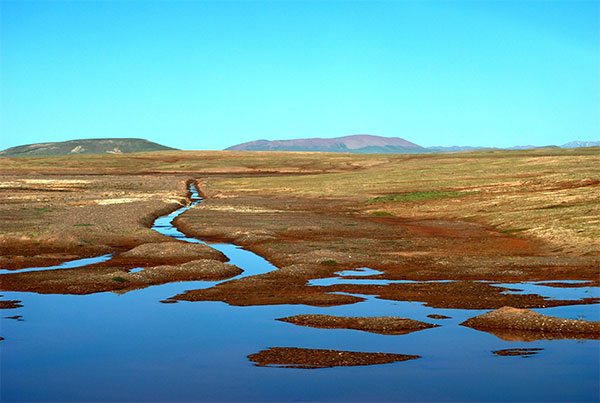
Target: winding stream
point(250, 262)
point(130, 347)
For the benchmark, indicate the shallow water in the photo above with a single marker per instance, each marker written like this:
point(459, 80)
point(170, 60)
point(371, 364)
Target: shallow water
point(325, 282)
point(361, 271)
point(567, 293)
point(66, 265)
point(131, 347)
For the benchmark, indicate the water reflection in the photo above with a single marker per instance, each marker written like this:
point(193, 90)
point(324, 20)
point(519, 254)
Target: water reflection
point(80, 348)
point(66, 265)
point(130, 347)
point(565, 293)
point(362, 271)
point(249, 262)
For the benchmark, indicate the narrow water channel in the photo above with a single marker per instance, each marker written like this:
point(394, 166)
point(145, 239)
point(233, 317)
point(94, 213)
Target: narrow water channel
point(250, 262)
point(130, 347)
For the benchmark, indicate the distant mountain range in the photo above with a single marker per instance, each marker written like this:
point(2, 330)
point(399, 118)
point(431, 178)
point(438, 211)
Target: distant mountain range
point(361, 143)
point(578, 144)
point(89, 146)
point(367, 144)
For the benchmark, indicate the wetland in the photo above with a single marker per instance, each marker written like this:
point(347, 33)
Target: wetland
point(219, 276)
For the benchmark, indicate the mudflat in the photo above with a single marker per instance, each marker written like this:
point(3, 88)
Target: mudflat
point(376, 324)
point(533, 325)
point(520, 352)
point(306, 358)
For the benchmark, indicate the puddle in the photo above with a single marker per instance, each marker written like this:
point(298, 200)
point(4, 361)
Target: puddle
point(561, 282)
point(550, 292)
point(363, 271)
point(324, 282)
point(131, 347)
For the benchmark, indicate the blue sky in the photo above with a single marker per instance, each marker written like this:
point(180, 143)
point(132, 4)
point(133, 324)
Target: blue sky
point(208, 75)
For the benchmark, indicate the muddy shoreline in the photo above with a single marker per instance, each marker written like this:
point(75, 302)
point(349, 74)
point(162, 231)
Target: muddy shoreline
point(302, 358)
point(57, 215)
point(509, 323)
point(248, 221)
point(381, 324)
point(282, 229)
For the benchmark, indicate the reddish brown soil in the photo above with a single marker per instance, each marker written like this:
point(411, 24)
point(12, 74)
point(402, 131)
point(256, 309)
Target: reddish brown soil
point(571, 285)
point(267, 289)
point(10, 304)
point(111, 276)
point(310, 238)
point(306, 237)
point(522, 352)
point(436, 316)
point(291, 357)
point(276, 288)
point(172, 252)
point(380, 324)
point(91, 215)
point(456, 295)
point(513, 324)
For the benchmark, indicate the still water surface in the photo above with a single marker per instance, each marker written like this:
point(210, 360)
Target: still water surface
point(110, 347)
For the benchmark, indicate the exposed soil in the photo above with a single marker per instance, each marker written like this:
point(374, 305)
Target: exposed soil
point(267, 289)
point(90, 215)
point(10, 304)
point(526, 324)
point(109, 276)
point(522, 352)
point(570, 285)
point(83, 216)
point(309, 238)
point(52, 210)
point(172, 252)
point(291, 357)
point(436, 316)
point(381, 324)
point(457, 295)
point(288, 287)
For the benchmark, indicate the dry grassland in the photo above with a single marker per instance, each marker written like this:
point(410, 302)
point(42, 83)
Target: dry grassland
point(547, 194)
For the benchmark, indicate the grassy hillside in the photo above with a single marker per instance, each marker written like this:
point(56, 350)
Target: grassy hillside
point(89, 146)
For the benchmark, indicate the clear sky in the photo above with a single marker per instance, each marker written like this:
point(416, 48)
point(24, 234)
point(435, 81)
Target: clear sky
point(208, 75)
